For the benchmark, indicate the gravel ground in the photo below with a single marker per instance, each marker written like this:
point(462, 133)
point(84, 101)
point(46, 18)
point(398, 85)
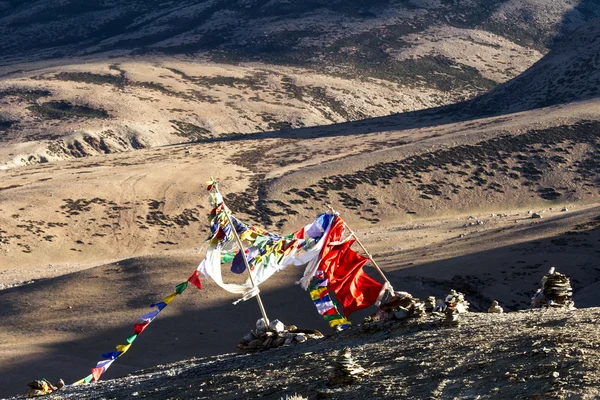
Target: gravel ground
point(537, 354)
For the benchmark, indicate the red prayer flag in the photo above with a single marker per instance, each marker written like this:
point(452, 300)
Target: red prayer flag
point(195, 280)
point(353, 288)
point(139, 328)
point(96, 372)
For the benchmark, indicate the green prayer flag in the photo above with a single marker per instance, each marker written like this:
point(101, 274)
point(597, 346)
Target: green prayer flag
point(181, 287)
point(260, 242)
point(131, 338)
point(227, 257)
point(88, 378)
point(332, 317)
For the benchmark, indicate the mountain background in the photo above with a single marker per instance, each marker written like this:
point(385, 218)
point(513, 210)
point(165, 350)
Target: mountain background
point(436, 128)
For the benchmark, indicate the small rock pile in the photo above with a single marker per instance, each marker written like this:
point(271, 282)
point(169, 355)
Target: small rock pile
point(42, 387)
point(455, 304)
point(402, 305)
point(275, 335)
point(345, 369)
point(556, 292)
point(495, 308)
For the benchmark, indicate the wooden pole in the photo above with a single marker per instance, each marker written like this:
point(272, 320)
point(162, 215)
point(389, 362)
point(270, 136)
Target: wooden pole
point(241, 246)
point(364, 249)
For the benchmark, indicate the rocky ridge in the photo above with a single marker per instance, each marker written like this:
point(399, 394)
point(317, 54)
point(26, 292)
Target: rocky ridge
point(537, 354)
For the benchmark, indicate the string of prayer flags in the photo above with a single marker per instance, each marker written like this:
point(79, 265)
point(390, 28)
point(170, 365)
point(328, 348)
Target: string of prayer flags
point(138, 328)
point(325, 306)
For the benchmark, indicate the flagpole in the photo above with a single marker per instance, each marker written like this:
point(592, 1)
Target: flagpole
point(241, 246)
point(364, 249)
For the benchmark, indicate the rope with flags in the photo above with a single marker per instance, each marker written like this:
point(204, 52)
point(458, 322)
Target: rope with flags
point(138, 328)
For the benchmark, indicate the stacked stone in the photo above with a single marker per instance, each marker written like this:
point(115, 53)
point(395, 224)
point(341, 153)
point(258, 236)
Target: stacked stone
point(275, 335)
point(345, 369)
point(455, 304)
point(42, 387)
point(402, 305)
point(556, 291)
point(495, 308)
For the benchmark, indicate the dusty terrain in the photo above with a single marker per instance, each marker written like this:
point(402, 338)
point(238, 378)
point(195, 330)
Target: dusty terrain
point(436, 142)
point(525, 355)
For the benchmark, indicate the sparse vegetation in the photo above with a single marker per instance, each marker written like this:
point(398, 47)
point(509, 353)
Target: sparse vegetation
point(63, 110)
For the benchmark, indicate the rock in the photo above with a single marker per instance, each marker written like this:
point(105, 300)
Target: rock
point(495, 308)
point(261, 326)
point(564, 209)
point(276, 325)
point(536, 215)
point(300, 338)
point(401, 313)
point(430, 304)
point(255, 344)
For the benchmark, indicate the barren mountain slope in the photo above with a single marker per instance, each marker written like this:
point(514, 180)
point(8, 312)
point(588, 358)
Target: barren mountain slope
point(317, 63)
point(65, 112)
point(570, 72)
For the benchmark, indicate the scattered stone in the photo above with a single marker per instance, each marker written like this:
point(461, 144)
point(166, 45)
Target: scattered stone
point(495, 308)
point(345, 369)
point(564, 209)
point(536, 215)
point(556, 292)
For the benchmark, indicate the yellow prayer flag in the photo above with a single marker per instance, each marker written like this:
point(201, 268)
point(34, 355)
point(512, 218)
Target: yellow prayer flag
point(169, 298)
point(316, 293)
point(336, 322)
point(123, 348)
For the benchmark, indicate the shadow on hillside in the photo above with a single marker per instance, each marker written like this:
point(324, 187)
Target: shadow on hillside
point(195, 324)
point(510, 274)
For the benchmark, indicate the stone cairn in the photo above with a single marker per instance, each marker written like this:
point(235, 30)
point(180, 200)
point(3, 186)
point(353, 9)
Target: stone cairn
point(345, 370)
point(275, 335)
point(42, 387)
point(455, 304)
point(495, 308)
point(400, 305)
point(556, 292)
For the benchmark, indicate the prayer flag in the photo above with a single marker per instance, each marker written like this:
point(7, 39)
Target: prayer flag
point(139, 328)
point(169, 298)
point(353, 288)
point(195, 280)
point(181, 287)
point(112, 355)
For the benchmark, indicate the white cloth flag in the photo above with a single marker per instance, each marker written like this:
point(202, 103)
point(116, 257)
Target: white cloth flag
point(210, 267)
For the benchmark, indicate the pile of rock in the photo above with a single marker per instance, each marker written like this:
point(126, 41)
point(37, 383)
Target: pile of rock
point(42, 387)
point(275, 335)
point(345, 369)
point(455, 304)
point(403, 305)
point(495, 308)
point(556, 292)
